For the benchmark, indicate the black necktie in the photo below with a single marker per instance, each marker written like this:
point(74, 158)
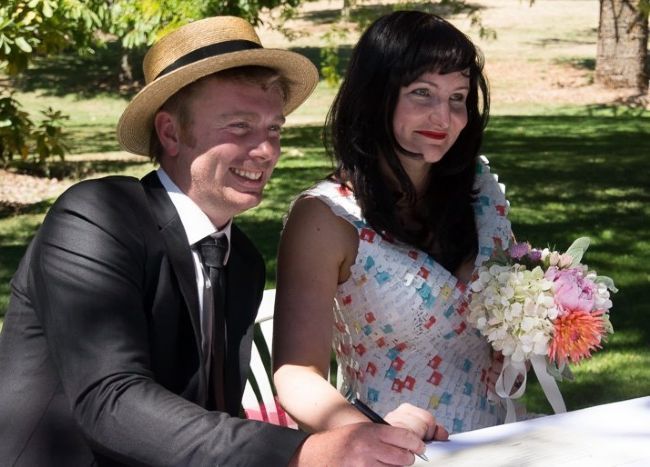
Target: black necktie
point(213, 254)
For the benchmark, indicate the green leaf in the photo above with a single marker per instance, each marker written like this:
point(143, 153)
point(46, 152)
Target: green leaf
point(578, 249)
point(609, 329)
point(607, 281)
point(23, 44)
point(47, 10)
point(560, 373)
point(29, 17)
point(553, 370)
point(567, 374)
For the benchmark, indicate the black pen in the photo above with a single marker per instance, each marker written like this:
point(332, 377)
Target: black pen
point(375, 418)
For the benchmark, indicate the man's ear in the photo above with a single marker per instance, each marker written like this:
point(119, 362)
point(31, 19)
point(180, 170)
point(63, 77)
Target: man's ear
point(168, 130)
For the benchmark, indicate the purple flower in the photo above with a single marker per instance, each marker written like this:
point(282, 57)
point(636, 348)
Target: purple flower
point(518, 250)
point(535, 255)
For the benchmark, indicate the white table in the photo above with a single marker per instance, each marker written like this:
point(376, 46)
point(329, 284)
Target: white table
point(616, 434)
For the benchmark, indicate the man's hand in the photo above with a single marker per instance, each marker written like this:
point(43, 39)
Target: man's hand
point(359, 445)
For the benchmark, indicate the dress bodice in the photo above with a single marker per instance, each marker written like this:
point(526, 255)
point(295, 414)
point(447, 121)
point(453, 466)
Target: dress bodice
point(400, 332)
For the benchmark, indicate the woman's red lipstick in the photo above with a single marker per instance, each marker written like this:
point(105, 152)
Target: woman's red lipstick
point(432, 134)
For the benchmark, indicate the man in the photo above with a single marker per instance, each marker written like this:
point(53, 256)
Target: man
point(124, 343)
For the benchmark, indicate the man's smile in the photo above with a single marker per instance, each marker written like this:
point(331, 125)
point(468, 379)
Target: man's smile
point(248, 174)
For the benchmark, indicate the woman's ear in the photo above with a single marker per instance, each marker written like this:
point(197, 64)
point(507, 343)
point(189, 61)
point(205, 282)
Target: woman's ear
point(168, 131)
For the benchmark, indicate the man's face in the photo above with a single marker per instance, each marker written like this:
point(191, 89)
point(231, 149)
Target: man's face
point(230, 148)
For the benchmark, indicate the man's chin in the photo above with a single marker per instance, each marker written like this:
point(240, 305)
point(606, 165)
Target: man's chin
point(246, 201)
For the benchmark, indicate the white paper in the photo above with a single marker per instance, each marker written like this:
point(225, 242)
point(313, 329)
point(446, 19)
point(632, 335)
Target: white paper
point(616, 434)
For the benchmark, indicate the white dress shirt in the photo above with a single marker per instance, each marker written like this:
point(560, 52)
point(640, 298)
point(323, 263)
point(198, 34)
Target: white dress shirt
point(197, 226)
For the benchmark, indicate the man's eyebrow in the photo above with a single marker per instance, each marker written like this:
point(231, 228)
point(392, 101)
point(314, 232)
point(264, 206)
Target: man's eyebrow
point(248, 115)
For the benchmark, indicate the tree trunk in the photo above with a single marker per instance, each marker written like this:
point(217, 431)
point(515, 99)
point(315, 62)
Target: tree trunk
point(622, 45)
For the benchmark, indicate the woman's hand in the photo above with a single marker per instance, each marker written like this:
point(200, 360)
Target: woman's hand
point(495, 370)
point(418, 420)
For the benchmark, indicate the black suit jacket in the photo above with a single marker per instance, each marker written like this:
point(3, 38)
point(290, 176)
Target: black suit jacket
point(100, 349)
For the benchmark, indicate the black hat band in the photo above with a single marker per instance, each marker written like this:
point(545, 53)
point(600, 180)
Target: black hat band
point(207, 51)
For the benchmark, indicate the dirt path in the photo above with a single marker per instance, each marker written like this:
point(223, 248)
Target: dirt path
point(17, 190)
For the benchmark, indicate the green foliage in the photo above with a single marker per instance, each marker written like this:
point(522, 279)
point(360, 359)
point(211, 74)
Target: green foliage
point(19, 136)
point(329, 55)
point(357, 15)
point(49, 136)
point(141, 23)
point(31, 28)
point(41, 27)
point(15, 128)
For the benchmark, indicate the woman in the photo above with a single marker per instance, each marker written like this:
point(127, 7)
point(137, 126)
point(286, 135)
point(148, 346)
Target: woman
point(394, 236)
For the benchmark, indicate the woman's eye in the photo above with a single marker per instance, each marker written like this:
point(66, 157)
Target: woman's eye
point(457, 97)
point(424, 92)
point(240, 125)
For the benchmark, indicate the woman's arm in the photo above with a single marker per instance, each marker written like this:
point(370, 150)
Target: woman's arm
point(316, 251)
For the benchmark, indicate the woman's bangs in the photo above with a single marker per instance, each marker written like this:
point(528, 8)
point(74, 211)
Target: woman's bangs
point(440, 56)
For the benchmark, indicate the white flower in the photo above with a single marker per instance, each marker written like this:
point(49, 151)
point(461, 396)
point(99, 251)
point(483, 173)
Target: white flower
point(554, 258)
point(565, 260)
point(545, 253)
point(512, 307)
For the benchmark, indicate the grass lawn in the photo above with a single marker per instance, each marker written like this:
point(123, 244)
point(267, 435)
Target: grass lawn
point(572, 168)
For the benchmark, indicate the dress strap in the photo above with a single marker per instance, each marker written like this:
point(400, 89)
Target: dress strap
point(340, 200)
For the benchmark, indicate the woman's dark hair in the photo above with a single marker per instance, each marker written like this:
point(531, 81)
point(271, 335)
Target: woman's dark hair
point(393, 52)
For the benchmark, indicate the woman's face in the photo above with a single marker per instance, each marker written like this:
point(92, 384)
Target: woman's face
point(429, 115)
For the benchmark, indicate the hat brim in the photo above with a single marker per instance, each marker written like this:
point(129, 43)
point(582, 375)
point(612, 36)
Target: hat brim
point(135, 124)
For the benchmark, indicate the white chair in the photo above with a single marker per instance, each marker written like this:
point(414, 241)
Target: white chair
point(259, 401)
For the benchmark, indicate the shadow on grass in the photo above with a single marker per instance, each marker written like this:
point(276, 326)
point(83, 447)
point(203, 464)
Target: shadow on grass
point(582, 63)
point(9, 258)
point(78, 169)
point(101, 73)
point(589, 389)
point(86, 76)
point(10, 210)
point(364, 14)
point(86, 139)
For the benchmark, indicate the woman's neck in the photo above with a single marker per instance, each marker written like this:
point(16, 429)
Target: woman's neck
point(417, 172)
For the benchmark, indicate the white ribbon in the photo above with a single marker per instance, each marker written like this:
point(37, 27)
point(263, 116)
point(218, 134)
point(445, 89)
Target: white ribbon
point(548, 384)
point(506, 385)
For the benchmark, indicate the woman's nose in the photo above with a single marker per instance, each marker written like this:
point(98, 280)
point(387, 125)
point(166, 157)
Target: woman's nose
point(440, 115)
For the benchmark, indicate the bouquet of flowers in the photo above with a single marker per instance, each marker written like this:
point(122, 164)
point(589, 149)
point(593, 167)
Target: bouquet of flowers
point(542, 308)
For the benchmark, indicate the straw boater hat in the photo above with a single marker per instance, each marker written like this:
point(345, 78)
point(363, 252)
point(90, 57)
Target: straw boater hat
point(199, 49)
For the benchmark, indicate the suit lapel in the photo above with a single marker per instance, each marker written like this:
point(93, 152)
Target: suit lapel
point(180, 257)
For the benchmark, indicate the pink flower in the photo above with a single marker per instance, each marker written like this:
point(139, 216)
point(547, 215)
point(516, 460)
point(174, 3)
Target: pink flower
point(572, 291)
